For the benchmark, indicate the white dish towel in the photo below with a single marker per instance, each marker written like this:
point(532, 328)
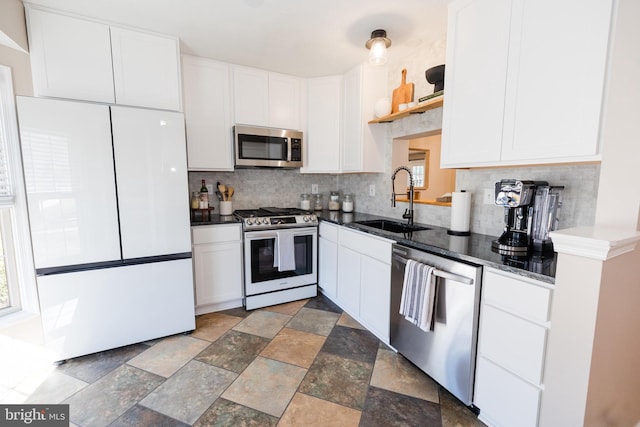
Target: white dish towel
point(284, 254)
point(418, 295)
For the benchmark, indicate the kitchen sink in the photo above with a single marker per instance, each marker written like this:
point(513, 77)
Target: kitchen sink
point(392, 226)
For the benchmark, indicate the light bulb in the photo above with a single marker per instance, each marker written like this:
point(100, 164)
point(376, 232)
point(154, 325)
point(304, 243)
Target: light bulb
point(378, 52)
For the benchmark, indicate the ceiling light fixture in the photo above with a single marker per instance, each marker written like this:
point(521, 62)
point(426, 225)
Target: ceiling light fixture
point(377, 45)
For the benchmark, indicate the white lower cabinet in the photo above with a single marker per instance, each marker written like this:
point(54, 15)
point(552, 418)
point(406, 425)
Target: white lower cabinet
point(217, 265)
point(328, 259)
point(375, 295)
point(364, 279)
point(349, 280)
point(504, 399)
point(514, 324)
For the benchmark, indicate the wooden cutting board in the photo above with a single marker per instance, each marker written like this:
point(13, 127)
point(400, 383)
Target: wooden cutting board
point(403, 94)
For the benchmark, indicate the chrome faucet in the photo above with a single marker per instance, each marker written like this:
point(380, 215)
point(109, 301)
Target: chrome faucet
point(408, 213)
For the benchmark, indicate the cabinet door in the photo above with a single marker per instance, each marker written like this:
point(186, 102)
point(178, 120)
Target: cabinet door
point(556, 79)
point(218, 272)
point(512, 342)
point(352, 122)
point(207, 114)
point(94, 310)
point(146, 69)
point(503, 398)
point(284, 101)
point(477, 51)
point(349, 280)
point(324, 109)
point(375, 295)
point(70, 57)
point(374, 137)
point(328, 267)
point(151, 175)
point(251, 96)
point(70, 184)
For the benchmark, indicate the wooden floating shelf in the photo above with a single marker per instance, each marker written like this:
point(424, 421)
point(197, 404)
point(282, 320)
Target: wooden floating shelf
point(429, 104)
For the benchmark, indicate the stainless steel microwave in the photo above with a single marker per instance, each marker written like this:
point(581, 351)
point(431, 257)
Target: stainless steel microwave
point(267, 147)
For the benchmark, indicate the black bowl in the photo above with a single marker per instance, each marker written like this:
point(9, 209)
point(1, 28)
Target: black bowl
point(435, 76)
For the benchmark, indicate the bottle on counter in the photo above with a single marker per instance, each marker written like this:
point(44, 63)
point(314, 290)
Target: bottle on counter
point(334, 201)
point(204, 196)
point(347, 203)
point(195, 200)
point(317, 204)
point(305, 202)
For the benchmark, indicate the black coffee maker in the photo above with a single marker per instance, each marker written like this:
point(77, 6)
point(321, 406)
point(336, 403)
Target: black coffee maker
point(517, 197)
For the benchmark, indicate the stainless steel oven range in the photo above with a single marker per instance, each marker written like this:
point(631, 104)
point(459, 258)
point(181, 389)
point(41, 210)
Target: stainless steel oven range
point(280, 255)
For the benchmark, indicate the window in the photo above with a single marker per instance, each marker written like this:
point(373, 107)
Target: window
point(418, 161)
point(17, 282)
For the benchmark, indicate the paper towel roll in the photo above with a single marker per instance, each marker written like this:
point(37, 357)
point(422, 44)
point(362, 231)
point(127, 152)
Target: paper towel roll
point(460, 213)
point(459, 244)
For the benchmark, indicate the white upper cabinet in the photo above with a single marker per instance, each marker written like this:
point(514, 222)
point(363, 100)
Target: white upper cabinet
point(324, 109)
point(285, 101)
point(476, 71)
point(267, 99)
point(556, 79)
point(339, 138)
point(207, 112)
point(146, 69)
point(362, 144)
point(70, 57)
point(251, 96)
point(77, 58)
point(524, 85)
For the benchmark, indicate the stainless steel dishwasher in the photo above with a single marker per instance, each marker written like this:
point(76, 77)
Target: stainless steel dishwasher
point(448, 352)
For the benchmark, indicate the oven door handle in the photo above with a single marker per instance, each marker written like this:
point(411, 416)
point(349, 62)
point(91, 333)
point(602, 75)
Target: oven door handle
point(273, 234)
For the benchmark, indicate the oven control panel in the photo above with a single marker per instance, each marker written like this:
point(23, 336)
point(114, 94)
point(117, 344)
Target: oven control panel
point(268, 222)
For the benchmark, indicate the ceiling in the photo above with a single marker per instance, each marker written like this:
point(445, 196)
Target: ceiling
point(305, 38)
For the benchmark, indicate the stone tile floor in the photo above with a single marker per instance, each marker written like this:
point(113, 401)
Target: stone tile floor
point(304, 363)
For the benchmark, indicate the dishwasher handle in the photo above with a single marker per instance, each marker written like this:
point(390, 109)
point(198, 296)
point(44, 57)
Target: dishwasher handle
point(436, 272)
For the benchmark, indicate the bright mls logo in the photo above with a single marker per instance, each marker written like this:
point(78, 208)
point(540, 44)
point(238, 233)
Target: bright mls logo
point(34, 415)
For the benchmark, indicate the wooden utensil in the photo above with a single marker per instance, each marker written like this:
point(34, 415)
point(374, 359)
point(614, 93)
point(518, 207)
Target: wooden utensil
point(223, 190)
point(403, 94)
point(230, 190)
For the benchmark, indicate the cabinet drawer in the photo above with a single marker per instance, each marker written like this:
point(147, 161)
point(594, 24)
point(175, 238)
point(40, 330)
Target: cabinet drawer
point(519, 296)
point(365, 244)
point(504, 399)
point(513, 343)
point(328, 231)
point(216, 233)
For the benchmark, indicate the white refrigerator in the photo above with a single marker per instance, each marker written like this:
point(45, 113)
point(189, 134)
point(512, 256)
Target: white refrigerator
point(107, 193)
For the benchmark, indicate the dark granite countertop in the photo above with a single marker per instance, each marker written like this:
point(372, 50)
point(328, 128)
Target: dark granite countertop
point(475, 248)
point(214, 219)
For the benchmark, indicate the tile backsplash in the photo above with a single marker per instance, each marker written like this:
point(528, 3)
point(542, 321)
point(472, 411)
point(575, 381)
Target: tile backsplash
point(282, 188)
point(265, 187)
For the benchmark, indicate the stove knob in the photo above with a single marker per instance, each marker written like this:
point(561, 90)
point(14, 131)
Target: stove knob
point(265, 221)
point(313, 218)
point(306, 218)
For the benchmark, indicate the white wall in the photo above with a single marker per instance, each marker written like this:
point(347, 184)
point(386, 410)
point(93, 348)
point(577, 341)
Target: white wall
point(619, 197)
point(614, 385)
point(13, 25)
